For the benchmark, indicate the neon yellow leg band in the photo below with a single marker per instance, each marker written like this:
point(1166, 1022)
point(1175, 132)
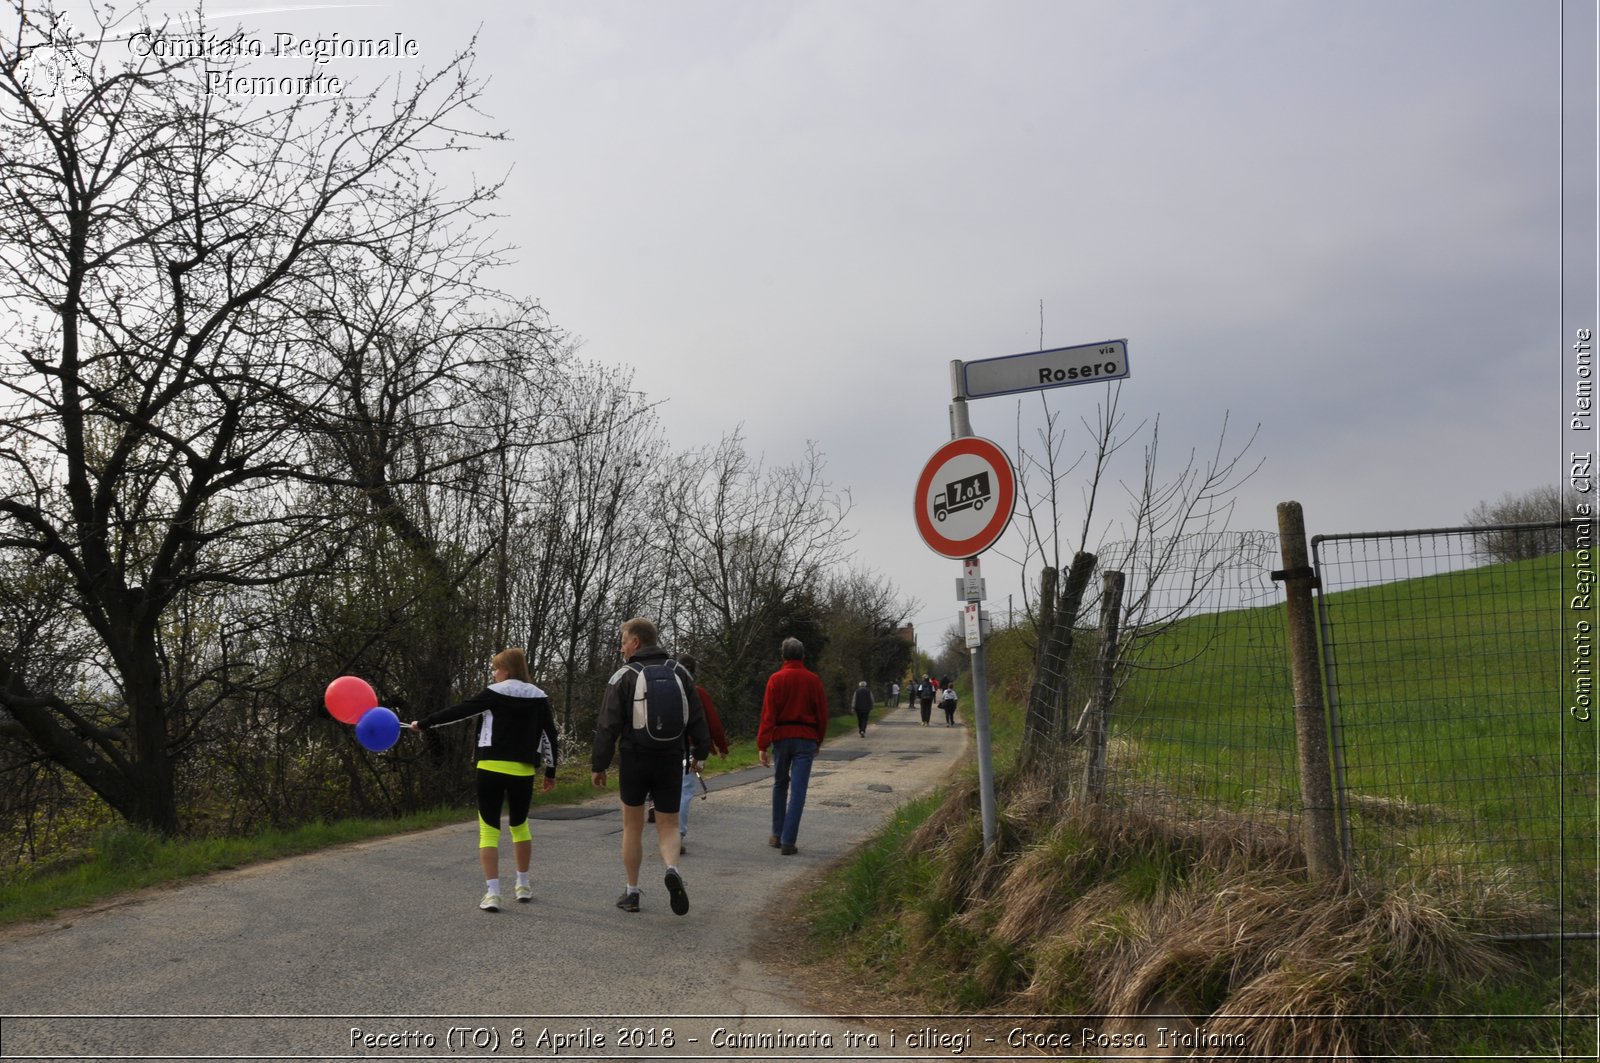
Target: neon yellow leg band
point(522, 832)
point(488, 835)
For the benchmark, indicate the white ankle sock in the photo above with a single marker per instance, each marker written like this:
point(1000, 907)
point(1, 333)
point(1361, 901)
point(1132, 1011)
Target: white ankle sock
point(493, 884)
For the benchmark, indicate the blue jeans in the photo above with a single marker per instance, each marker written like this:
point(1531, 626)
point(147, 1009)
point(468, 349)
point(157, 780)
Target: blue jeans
point(791, 757)
point(691, 783)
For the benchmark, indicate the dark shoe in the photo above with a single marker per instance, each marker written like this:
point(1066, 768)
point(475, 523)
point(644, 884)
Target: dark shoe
point(650, 816)
point(683, 847)
point(772, 840)
point(629, 901)
point(789, 850)
point(680, 896)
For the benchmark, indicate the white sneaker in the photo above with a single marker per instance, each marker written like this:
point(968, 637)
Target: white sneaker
point(524, 894)
point(490, 902)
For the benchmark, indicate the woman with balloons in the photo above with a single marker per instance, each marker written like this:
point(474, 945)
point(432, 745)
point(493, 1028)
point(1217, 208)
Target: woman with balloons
point(517, 723)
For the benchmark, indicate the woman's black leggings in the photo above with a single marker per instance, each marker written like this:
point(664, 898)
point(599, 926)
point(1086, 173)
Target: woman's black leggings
point(495, 788)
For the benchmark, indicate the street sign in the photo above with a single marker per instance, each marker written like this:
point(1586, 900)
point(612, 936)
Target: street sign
point(967, 591)
point(964, 497)
point(972, 624)
point(971, 581)
point(1089, 363)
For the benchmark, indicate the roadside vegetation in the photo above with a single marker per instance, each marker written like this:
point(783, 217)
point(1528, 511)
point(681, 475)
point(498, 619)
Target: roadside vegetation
point(116, 858)
point(1137, 920)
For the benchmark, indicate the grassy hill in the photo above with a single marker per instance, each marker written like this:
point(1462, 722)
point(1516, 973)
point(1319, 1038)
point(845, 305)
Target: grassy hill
point(1470, 788)
point(1457, 751)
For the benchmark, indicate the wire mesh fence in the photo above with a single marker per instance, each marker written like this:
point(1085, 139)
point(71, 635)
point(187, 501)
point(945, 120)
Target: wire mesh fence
point(1201, 725)
point(1453, 760)
point(1456, 765)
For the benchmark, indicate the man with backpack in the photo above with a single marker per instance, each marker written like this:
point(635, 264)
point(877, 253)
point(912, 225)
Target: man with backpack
point(649, 706)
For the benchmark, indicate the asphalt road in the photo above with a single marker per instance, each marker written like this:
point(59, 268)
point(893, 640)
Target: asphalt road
point(378, 950)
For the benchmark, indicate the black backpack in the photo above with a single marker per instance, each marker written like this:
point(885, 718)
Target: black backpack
point(660, 707)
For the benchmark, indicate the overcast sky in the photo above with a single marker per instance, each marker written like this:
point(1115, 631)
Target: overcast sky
point(1339, 221)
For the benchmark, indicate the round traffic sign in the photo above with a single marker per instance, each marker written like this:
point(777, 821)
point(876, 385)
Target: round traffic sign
point(964, 497)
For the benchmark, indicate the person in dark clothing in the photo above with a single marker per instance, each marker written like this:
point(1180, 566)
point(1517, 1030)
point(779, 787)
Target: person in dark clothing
point(647, 774)
point(947, 702)
point(925, 698)
point(862, 704)
point(517, 731)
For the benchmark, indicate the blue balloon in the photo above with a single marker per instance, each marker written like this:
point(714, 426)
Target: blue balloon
point(378, 729)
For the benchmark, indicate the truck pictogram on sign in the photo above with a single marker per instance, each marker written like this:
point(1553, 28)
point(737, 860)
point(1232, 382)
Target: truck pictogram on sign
point(969, 492)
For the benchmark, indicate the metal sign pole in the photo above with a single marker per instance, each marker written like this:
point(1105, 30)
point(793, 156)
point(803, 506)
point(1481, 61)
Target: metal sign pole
point(960, 426)
point(967, 489)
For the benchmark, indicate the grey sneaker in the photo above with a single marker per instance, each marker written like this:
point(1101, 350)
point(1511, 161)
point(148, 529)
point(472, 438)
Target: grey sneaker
point(629, 901)
point(680, 896)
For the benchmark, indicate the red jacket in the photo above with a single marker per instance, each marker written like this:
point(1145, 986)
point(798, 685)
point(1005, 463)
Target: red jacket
point(719, 739)
point(795, 706)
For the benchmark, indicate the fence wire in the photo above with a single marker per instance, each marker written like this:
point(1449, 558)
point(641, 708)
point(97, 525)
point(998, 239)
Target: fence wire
point(1202, 724)
point(1453, 760)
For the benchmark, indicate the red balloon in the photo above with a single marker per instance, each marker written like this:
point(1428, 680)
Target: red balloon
point(348, 698)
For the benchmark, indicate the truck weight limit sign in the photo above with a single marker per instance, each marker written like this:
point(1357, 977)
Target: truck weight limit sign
point(964, 497)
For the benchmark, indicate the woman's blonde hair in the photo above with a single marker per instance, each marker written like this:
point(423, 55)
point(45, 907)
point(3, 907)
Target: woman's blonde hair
point(515, 663)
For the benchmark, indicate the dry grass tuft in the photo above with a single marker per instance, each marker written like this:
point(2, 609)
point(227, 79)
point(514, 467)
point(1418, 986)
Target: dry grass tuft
point(1396, 811)
point(954, 813)
point(1123, 912)
point(1032, 896)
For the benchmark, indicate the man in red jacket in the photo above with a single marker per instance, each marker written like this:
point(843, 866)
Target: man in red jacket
point(794, 722)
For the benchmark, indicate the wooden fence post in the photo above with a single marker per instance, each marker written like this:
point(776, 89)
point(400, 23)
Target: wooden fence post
point(1319, 827)
point(1036, 724)
point(1051, 673)
point(1105, 660)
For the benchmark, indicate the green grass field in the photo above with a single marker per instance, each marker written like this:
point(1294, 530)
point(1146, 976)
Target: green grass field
point(1459, 756)
point(1473, 811)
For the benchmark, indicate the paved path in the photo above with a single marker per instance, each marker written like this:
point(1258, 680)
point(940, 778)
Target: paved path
point(290, 958)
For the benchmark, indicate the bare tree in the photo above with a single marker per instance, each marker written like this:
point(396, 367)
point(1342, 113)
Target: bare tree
point(861, 613)
point(1164, 509)
point(159, 250)
point(1535, 505)
point(744, 544)
point(599, 499)
point(1042, 502)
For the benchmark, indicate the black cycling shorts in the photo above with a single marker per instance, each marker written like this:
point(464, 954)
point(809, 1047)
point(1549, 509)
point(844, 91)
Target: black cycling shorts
point(657, 777)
